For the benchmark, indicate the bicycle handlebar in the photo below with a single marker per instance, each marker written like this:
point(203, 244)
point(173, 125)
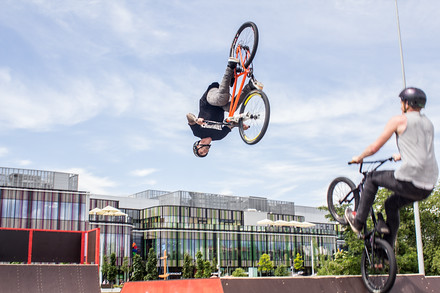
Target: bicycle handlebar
point(373, 162)
point(378, 162)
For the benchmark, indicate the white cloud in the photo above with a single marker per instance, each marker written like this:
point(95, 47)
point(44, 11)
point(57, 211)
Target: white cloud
point(143, 172)
point(24, 163)
point(92, 183)
point(3, 151)
point(109, 84)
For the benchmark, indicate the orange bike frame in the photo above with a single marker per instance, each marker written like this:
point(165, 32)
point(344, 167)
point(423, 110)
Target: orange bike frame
point(242, 74)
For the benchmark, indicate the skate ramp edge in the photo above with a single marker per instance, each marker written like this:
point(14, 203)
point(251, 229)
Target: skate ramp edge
point(50, 278)
point(175, 286)
point(316, 284)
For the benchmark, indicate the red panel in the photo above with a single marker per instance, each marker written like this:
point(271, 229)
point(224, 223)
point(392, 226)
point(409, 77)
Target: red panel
point(31, 235)
point(82, 247)
point(98, 235)
point(175, 286)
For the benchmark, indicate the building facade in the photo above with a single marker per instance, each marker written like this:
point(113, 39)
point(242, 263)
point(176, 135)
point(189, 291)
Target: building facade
point(34, 199)
point(226, 229)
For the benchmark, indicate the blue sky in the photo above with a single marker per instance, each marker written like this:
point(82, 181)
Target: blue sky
point(101, 89)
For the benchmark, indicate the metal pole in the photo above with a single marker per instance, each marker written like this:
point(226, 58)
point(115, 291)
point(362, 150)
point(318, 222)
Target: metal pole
point(311, 247)
point(400, 46)
point(416, 204)
point(218, 256)
point(419, 239)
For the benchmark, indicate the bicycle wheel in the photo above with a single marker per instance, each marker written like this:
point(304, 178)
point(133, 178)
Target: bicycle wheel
point(246, 39)
point(256, 104)
point(378, 266)
point(341, 194)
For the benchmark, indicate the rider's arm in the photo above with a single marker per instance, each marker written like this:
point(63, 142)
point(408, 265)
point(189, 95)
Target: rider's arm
point(394, 125)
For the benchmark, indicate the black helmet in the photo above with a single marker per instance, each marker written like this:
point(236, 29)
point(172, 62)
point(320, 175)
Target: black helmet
point(416, 97)
point(196, 149)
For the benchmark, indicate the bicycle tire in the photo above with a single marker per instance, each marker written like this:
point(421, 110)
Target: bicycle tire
point(339, 188)
point(257, 105)
point(379, 267)
point(246, 36)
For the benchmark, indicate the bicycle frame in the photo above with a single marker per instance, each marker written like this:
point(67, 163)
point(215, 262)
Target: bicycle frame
point(360, 188)
point(240, 74)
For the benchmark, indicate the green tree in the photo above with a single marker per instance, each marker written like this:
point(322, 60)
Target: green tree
point(239, 272)
point(348, 261)
point(298, 262)
point(138, 268)
point(151, 268)
point(406, 246)
point(281, 271)
point(125, 267)
point(207, 270)
point(104, 267)
point(214, 265)
point(200, 265)
point(430, 217)
point(265, 265)
point(112, 269)
point(188, 267)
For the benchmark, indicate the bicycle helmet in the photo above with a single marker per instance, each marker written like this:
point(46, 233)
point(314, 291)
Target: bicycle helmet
point(415, 97)
point(196, 149)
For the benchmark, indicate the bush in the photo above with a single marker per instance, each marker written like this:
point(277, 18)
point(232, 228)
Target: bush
point(239, 272)
point(281, 271)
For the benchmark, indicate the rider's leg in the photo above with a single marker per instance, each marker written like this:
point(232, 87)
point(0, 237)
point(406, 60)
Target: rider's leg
point(374, 180)
point(220, 96)
point(392, 209)
point(395, 202)
point(367, 199)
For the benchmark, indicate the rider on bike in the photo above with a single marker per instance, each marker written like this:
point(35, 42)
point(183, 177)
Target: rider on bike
point(415, 179)
point(212, 106)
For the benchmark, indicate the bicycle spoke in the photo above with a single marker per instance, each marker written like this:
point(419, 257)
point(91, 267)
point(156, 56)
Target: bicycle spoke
point(245, 43)
point(341, 195)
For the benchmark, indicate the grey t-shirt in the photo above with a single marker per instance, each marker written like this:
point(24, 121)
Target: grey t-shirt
point(416, 146)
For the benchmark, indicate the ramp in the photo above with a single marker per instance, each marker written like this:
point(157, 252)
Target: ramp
point(175, 286)
point(325, 284)
point(51, 278)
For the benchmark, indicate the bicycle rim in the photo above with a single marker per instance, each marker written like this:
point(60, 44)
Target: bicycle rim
point(257, 105)
point(378, 266)
point(341, 194)
point(246, 39)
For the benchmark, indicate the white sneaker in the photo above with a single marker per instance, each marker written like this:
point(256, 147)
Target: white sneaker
point(258, 85)
point(232, 62)
point(191, 118)
point(349, 216)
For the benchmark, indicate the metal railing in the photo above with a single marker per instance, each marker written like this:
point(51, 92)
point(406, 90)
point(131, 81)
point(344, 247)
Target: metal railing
point(27, 178)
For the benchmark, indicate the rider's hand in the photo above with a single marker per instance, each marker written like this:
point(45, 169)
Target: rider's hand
point(396, 157)
point(356, 160)
point(200, 121)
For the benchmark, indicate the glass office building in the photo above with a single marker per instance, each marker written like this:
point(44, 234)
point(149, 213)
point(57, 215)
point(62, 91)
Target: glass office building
point(224, 228)
point(35, 199)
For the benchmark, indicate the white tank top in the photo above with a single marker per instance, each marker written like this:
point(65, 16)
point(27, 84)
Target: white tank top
point(416, 147)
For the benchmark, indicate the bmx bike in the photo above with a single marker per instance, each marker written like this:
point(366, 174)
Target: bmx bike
point(378, 262)
point(254, 107)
